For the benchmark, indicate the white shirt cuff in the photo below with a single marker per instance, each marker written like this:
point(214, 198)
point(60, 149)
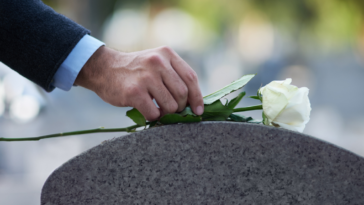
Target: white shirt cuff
point(67, 73)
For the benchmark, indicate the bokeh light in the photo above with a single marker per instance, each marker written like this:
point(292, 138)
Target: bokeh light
point(24, 108)
point(256, 38)
point(319, 44)
point(126, 30)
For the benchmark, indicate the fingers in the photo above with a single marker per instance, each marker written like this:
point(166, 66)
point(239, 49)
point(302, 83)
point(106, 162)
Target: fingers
point(163, 97)
point(144, 103)
point(189, 76)
point(176, 87)
point(134, 79)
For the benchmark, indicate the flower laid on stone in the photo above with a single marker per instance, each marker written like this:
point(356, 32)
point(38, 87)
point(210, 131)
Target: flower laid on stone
point(283, 105)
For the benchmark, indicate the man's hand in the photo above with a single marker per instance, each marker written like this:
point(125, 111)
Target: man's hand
point(135, 79)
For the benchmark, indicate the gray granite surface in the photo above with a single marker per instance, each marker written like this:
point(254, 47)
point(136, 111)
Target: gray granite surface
point(210, 163)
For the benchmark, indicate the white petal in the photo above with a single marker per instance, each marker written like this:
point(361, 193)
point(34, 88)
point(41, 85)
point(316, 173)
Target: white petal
point(273, 103)
point(283, 87)
point(286, 105)
point(290, 127)
point(301, 103)
point(287, 81)
point(297, 112)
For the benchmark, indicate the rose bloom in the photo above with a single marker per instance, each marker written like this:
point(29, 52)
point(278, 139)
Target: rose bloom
point(285, 105)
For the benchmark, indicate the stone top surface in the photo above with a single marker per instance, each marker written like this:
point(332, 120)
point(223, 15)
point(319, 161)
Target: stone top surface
point(209, 163)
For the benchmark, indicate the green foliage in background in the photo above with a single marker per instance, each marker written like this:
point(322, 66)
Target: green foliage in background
point(328, 22)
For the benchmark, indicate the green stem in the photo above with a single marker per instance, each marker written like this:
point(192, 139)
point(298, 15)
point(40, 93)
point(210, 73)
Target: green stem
point(243, 109)
point(80, 132)
point(98, 130)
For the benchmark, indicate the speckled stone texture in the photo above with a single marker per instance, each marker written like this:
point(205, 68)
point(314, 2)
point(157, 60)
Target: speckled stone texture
point(210, 163)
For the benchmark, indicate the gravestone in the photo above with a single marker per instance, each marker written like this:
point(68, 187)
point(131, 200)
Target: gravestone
point(209, 163)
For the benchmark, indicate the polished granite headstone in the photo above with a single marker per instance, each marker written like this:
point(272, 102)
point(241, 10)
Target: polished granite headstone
point(210, 163)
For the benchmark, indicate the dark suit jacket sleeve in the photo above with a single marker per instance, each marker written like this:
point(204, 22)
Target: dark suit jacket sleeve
point(35, 40)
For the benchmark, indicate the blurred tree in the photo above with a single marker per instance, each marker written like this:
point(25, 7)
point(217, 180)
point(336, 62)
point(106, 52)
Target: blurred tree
point(90, 13)
point(331, 22)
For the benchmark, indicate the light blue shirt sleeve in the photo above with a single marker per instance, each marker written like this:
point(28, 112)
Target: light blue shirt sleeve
point(66, 74)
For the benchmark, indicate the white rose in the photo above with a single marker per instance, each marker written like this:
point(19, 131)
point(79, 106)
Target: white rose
point(285, 105)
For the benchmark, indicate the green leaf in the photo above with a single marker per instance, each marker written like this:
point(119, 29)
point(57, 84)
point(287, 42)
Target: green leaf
point(216, 112)
point(187, 111)
point(226, 102)
point(177, 118)
point(255, 97)
point(236, 85)
point(234, 102)
point(152, 124)
point(240, 118)
point(136, 116)
point(255, 121)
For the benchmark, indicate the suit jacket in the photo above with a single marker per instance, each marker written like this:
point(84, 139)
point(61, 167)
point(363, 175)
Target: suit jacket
point(35, 40)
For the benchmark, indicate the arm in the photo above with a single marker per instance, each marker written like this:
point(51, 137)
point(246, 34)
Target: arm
point(35, 40)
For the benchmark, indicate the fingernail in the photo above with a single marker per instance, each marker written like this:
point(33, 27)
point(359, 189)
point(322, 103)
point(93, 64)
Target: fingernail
point(199, 110)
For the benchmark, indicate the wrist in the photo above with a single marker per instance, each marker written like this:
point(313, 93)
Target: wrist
point(92, 73)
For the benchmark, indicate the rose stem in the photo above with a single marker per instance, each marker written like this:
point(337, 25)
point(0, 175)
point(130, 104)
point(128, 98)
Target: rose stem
point(255, 107)
point(98, 130)
point(81, 132)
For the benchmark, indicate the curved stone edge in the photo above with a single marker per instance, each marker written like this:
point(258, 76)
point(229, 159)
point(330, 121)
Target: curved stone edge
point(269, 128)
point(309, 139)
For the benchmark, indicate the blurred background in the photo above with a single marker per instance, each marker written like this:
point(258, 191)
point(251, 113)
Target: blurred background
point(319, 44)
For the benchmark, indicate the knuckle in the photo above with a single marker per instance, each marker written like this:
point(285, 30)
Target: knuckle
point(154, 59)
point(113, 99)
point(145, 78)
point(166, 49)
point(192, 76)
point(121, 103)
point(133, 91)
point(172, 107)
point(115, 103)
point(182, 92)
